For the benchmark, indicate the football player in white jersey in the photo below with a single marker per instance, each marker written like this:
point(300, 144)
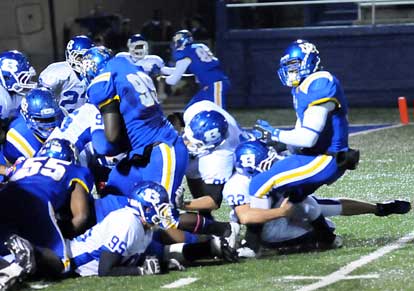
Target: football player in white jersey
point(138, 55)
point(153, 65)
point(211, 135)
point(84, 128)
point(64, 77)
point(110, 247)
point(284, 225)
point(15, 75)
point(15, 80)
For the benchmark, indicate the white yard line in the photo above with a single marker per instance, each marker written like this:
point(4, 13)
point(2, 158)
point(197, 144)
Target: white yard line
point(375, 129)
point(180, 283)
point(342, 272)
point(297, 278)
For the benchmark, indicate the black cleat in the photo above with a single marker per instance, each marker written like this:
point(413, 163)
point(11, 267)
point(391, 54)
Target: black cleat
point(23, 252)
point(393, 207)
point(337, 243)
point(221, 248)
point(228, 253)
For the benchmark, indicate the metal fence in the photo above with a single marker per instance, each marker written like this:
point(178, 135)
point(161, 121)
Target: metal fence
point(361, 8)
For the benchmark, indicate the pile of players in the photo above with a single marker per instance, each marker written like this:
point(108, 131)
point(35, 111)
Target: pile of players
point(93, 170)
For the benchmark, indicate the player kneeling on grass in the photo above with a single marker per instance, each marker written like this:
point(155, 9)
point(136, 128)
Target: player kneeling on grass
point(285, 225)
point(113, 246)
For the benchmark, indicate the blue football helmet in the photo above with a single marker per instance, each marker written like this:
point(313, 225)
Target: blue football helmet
point(16, 72)
point(205, 131)
point(60, 149)
point(138, 47)
point(41, 111)
point(182, 38)
point(300, 59)
point(151, 201)
point(75, 49)
point(253, 157)
point(94, 60)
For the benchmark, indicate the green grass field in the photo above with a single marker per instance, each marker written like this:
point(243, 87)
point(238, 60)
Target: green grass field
point(385, 172)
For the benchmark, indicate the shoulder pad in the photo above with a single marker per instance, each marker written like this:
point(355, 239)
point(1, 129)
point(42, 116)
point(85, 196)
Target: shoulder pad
point(54, 73)
point(317, 81)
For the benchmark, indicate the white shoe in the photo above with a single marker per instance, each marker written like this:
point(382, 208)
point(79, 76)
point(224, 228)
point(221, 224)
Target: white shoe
point(10, 275)
point(246, 252)
point(233, 237)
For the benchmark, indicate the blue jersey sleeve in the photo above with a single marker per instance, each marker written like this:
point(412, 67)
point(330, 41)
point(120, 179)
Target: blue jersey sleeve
point(181, 54)
point(320, 88)
point(101, 145)
point(102, 90)
point(81, 175)
point(10, 152)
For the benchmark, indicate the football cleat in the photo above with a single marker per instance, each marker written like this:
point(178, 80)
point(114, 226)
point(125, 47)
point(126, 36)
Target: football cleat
point(335, 244)
point(246, 252)
point(393, 207)
point(222, 249)
point(175, 265)
point(10, 275)
point(23, 252)
point(232, 235)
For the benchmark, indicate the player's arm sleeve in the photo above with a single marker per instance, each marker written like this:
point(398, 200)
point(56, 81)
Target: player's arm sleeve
point(83, 177)
point(180, 68)
point(16, 146)
point(167, 70)
point(307, 134)
point(102, 146)
point(102, 90)
point(49, 79)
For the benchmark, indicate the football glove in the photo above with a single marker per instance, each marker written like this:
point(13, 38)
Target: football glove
point(151, 266)
point(265, 132)
point(179, 197)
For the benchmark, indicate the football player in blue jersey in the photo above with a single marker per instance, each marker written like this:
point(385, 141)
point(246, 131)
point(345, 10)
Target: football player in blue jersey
point(319, 141)
point(39, 115)
point(200, 61)
point(133, 117)
point(37, 189)
point(16, 75)
point(126, 94)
